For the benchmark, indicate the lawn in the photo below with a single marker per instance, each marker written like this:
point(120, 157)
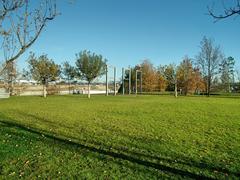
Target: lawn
point(144, 137)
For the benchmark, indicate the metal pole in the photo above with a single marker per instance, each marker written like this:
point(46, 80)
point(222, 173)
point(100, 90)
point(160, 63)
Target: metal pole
point(141, 82)
point(106, 80)
point(129, 81)
point(136, 82)
point(123, 80)
point(115, 85)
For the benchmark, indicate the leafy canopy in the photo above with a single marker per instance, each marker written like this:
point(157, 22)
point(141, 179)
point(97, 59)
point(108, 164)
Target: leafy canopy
point(43, 69)
point(90, 65)
point(69, 71)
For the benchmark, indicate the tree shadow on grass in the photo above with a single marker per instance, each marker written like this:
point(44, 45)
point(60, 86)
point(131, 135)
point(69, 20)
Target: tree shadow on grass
point(132, 155)
point(177, 160)
point(112, 154)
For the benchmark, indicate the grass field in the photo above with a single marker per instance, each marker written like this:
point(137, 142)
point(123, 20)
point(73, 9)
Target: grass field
point(144, 137)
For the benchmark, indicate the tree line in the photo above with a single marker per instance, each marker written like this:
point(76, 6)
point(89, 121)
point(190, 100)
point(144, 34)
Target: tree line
point(88, 66)
point(208, 71)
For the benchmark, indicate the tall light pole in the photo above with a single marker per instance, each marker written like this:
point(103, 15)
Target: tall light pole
point(129, 81)
point(123, 74)
point(141, 82)
point(106, 80)
point(114, 80)
point(136, 82)
point(115, 84)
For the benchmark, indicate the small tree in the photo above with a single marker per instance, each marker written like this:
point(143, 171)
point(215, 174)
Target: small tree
point(169, 73)
point(185, 75)
point(43, 70)
point(69, 72)
point(9, 76)
point(149, 76)
point(161, 81)
point(90, 66)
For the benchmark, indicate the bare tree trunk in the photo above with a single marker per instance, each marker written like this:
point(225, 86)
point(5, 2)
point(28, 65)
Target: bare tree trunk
point(10, 84)
point(44, 91)
point(11, 88)
point(208, 86)
point(89, 90)
point(229, 87)
point(69, 85)
point(176, 93)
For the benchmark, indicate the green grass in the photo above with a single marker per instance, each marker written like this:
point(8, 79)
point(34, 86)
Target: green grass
point(144, 137)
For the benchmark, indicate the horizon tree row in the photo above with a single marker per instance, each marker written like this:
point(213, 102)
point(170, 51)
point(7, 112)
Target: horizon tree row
point(88, 66)
point(208, 71)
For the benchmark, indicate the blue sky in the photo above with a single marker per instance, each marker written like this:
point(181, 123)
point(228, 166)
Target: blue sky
point(129, 31)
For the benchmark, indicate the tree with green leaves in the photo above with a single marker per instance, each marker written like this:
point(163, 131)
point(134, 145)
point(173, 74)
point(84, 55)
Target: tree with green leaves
point(208, 61)
point(90, 66)
point(227, 72)
point(43, 70)
point(69, 72)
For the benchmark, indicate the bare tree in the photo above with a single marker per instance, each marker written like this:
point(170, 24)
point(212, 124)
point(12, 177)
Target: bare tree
point(8, 6)
point(227, 11)
point(208, 61)
point(21, 23)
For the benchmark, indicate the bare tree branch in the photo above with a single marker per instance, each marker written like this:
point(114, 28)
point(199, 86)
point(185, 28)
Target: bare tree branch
point(8, 6)
point(227, 11)
point(23, 23)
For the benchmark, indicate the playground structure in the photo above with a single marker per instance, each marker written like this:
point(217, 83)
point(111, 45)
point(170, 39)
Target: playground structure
point(130, 81)
point(128, 72)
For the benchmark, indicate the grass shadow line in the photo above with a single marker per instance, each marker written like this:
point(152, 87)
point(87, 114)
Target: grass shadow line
point(184, 161)
point(108, 153)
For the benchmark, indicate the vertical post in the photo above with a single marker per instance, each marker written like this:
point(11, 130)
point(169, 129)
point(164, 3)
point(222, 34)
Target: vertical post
point(136, 82)
point(129, 81)
point(106, 80)
point(115, 85)
point(89, 89)
point(123, 72)
point(141, 82)
point(176, 93)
